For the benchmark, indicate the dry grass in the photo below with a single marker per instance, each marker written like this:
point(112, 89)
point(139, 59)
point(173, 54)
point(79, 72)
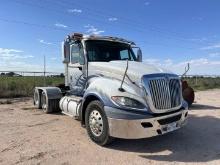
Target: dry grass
point(23, 86)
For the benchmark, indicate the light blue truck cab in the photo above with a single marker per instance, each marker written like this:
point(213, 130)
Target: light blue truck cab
point(112, 92)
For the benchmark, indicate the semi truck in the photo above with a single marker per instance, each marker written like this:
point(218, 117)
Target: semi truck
point(112, 92)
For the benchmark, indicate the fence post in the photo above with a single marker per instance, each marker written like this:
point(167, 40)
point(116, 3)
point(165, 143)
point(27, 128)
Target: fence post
point(196, 80)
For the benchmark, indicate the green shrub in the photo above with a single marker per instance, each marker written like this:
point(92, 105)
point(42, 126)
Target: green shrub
point(23, 86)
point(203, 83)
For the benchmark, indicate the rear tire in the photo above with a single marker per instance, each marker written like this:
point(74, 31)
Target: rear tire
point(37, 98)
point(97, 124)
point(44, 102)
point(49, 105)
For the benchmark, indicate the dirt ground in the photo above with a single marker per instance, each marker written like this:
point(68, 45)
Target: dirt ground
point(28, 136)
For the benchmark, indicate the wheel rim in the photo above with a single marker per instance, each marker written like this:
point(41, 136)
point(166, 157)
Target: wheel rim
point(44, 104)
point(96, 123)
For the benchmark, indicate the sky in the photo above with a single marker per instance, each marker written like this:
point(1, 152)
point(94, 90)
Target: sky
point(171, 33)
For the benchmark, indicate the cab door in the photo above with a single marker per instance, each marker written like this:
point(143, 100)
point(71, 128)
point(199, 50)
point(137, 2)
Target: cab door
point(77, 69)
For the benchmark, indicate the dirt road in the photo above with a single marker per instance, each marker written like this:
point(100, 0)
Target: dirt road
point(28, 136)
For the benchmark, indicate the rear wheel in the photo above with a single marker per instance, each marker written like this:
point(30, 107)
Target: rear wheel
point(37, 98)
point(97, 123)
point(44, 102)
point(49, 105)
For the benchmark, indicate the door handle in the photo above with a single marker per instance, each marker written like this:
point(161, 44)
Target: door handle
point(79, 67)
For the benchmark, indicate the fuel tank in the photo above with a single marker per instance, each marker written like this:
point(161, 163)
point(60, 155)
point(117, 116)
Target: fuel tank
point(70, 105)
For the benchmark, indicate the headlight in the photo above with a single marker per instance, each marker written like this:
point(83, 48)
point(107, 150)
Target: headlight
point(127, 102)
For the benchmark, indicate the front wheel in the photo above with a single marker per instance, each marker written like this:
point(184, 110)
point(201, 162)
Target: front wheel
point(97, 123)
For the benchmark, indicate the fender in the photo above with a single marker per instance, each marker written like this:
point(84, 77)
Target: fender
point(52, 92)
point(53, 96)
point(103, 88)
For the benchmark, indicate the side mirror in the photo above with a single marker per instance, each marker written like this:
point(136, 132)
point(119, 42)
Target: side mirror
point(66, 52)
point(139, 55)
point(187, 68)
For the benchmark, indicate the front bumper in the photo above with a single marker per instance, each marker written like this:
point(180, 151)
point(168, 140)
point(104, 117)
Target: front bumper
point(147, 127)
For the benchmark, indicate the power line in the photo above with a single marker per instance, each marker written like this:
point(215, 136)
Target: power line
point(65, 13)
point(128, 22)
point(53, 28)
point(133, 24)
point(49, 9)
point(32, 24)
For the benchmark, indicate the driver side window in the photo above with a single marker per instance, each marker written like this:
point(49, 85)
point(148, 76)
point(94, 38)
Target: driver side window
point(77, 55)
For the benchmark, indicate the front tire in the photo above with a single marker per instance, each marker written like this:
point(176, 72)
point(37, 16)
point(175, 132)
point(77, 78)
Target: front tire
point(97, 124)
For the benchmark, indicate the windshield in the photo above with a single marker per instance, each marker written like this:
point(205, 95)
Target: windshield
point(106, 51)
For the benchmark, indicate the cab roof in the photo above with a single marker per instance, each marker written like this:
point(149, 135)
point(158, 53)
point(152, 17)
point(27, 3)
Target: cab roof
point(79, 36)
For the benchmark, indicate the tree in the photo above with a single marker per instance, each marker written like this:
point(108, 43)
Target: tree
point(11, 74)
point(61, 75)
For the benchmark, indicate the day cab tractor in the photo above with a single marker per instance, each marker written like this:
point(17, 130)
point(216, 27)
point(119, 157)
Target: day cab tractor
point(112, 92)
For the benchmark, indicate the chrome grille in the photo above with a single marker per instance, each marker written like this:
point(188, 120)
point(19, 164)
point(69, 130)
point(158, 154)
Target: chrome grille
point(165, 93)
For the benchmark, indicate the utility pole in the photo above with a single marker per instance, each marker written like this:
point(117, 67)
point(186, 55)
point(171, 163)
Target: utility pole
point(44, 71)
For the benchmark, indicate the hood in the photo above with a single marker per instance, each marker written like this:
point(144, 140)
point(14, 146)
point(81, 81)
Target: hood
point(135, 69)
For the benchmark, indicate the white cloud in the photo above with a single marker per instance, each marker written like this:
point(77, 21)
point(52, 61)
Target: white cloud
point(8, 51)
point(17, 60)
point(161, 63)
point(74, 10)
point(60, 25)
point(16, 65)
point(92, 30)
point(87, 26)
point(215, 46)
point(152, 61)
point(53, 58)
point(112, 19)
point(197, 18)
point(216, 54)
point(203, 39)
point(14, 56)
point(197, 66)
point(11, 54)
point(147, 3)
point(20, 66)
point(44, 42)
point(197, 62)
point(168, 62)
